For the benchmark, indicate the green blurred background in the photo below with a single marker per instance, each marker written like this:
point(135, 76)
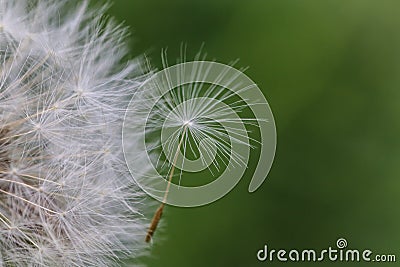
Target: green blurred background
point(331, 73)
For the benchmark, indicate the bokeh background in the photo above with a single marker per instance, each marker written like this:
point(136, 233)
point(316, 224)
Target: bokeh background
point(331, 73)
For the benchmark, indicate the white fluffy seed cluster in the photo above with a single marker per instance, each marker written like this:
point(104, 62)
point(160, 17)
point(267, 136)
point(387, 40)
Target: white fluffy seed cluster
point(66, 195)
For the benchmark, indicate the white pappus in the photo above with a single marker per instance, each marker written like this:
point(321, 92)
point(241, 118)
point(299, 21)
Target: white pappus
point(66, 194)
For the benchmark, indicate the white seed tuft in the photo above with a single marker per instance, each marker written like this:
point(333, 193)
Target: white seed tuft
point(66, 195)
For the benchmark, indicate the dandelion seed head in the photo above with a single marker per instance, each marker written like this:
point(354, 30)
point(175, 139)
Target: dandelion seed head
point(66, 195)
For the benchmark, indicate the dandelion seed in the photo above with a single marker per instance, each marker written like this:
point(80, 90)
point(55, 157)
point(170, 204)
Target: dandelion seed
point(194, 118)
